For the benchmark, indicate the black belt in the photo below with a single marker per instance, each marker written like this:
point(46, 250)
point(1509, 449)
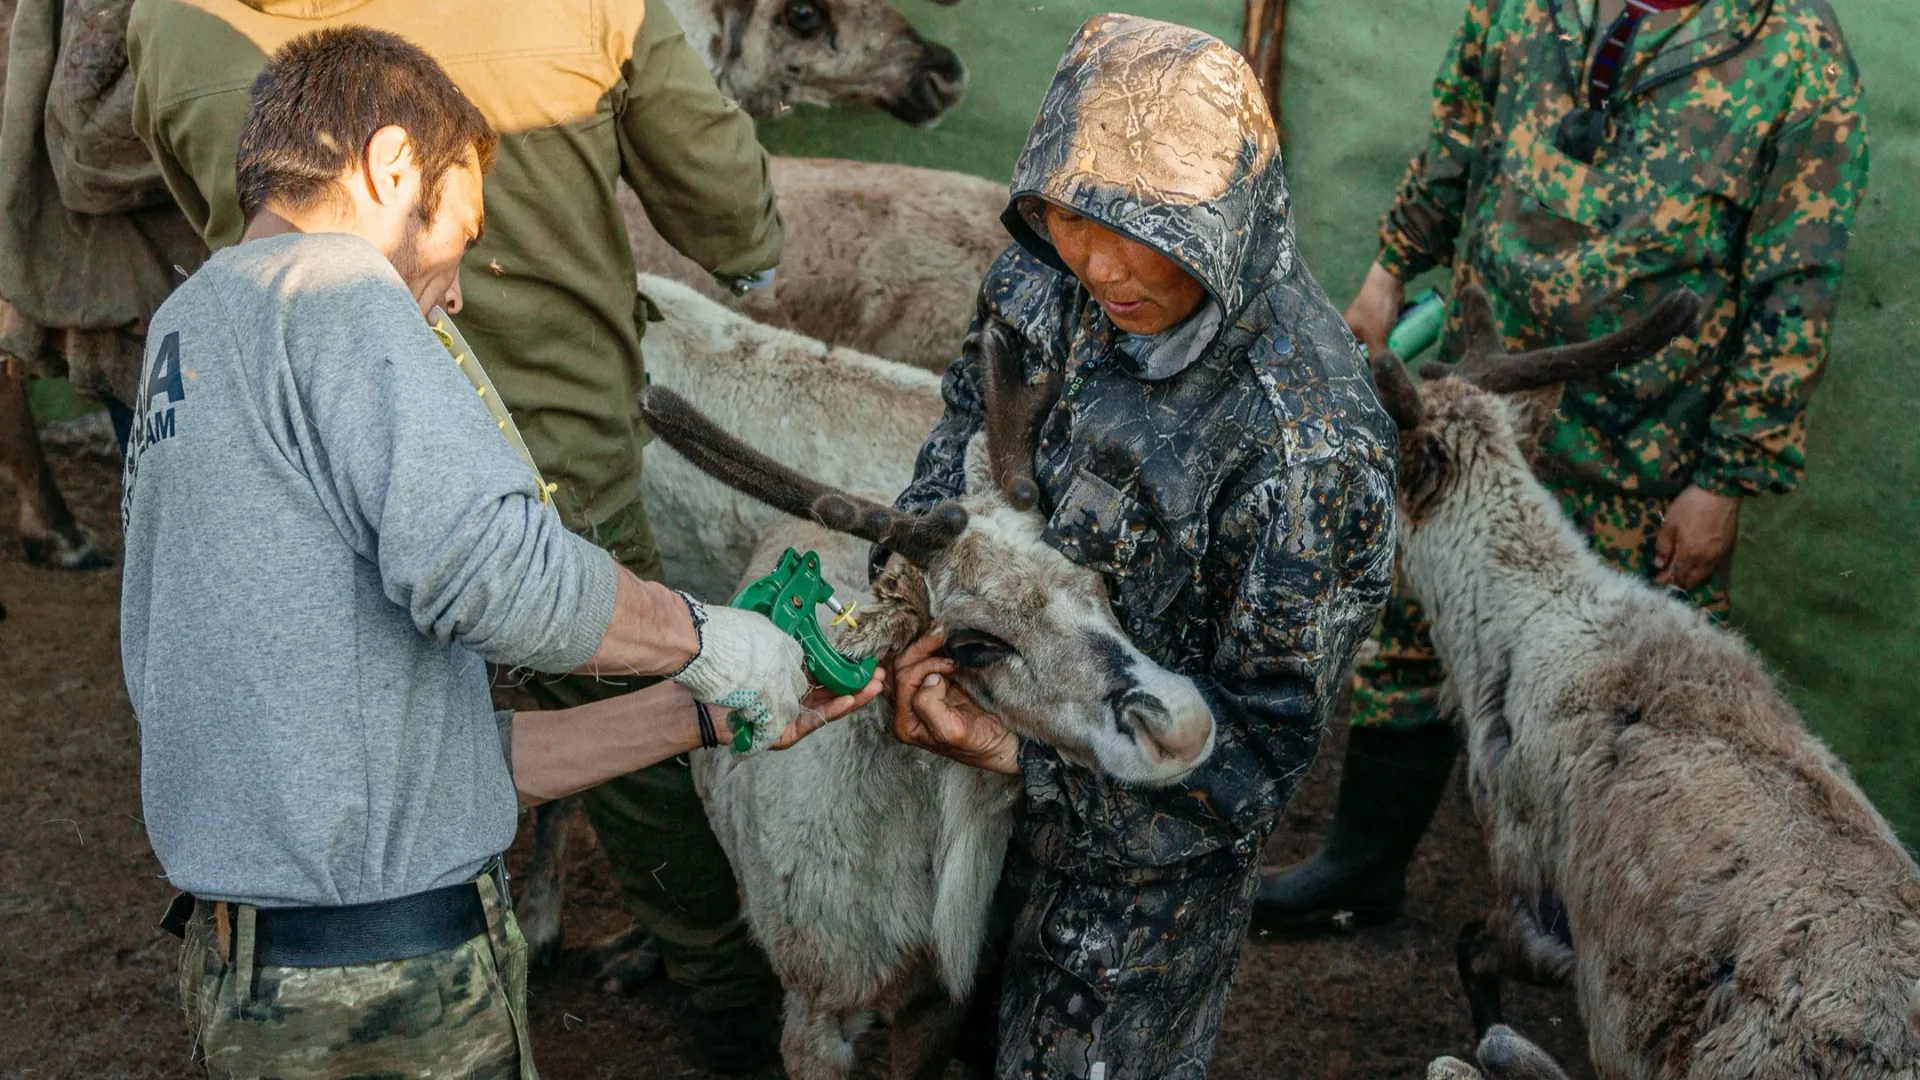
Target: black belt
point(351, 934)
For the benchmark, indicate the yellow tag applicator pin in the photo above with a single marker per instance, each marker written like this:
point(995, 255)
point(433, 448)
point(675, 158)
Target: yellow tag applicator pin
point(843, 616)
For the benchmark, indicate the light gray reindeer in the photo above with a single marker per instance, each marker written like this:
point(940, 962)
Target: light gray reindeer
point(868, 867)
point(1663, 830)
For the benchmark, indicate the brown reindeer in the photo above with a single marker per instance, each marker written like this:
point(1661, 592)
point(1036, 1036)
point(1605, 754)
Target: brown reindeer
point(1663, 830)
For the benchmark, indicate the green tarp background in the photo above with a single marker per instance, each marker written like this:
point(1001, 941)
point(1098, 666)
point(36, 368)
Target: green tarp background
point(1826, 582)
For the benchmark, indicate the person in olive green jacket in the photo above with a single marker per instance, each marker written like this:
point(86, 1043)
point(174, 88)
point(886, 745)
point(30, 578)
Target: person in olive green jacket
point(584, 94)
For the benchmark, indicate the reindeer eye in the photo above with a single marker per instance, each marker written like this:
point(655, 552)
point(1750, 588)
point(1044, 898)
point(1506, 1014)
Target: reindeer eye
point(804, 17)
point(974, 649)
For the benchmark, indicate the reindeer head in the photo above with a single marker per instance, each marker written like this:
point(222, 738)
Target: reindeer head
point(768, 54)
point(1030, 631)
point(1474, 427)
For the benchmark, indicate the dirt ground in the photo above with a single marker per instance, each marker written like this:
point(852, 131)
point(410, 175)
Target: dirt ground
point(86, 980)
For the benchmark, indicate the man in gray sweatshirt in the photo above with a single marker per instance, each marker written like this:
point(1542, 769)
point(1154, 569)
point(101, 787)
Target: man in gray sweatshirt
point(328, 534)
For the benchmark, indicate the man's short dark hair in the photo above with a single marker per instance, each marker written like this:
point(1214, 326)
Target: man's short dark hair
point(324, 94)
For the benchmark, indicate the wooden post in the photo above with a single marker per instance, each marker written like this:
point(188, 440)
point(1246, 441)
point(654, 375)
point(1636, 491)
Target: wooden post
point(1261, 43)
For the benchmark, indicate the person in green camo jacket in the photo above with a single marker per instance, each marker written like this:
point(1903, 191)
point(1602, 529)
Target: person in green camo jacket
point(1585, 161)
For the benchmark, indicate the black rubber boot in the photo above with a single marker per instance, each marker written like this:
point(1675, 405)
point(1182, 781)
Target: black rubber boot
point(1389, 787)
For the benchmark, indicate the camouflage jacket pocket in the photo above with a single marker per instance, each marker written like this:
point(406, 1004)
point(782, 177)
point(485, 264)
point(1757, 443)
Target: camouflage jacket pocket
point(1102, 528)
point(1572, 235)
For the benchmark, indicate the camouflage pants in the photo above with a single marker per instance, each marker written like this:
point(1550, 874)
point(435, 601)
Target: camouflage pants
point(1135, 977)
point(1400, 686)
point(460, 1013)
point(674, 877)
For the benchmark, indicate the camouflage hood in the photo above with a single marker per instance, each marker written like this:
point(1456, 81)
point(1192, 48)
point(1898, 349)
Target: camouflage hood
point(1160, 133)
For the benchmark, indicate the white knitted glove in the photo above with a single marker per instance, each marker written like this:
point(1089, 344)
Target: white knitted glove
point(746, 665)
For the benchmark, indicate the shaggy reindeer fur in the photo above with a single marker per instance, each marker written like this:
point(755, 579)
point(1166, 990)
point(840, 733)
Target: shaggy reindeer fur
point(869, 867)
point(1663, 829)
point(886, 259)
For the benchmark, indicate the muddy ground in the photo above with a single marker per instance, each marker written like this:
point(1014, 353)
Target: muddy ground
point(86, 981)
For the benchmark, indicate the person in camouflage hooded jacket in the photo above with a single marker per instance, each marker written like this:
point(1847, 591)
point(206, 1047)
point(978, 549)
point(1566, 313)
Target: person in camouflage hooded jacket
point(1732, 157)
point(1231, 476)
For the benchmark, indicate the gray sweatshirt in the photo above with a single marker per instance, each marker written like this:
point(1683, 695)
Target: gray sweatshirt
point(326, 534)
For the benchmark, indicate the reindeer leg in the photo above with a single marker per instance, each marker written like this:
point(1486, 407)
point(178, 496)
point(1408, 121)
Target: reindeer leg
point(1479, 975)
point(47, 527)
point(538, 906)
point(923, 1034)
point(817, 1043)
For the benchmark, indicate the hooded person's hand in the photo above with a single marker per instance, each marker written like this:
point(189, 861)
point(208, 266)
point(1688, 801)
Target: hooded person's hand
point(931, 712)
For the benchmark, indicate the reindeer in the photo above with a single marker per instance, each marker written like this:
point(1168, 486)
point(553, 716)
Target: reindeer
point(881, 258)
point(868, 866)
point(1663, 830)
point(772, 54)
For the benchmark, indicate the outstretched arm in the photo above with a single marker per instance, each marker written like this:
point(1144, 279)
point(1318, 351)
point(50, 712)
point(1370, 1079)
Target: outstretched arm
point(564, 751)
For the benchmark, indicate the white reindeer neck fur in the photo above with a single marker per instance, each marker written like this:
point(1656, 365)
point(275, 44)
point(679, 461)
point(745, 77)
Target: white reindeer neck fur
point(1487, 549)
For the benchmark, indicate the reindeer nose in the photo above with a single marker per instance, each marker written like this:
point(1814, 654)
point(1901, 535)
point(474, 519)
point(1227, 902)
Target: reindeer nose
point(938, 83)
point(1181, 733)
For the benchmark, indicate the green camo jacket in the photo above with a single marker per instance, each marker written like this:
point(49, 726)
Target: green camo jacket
point(1733, 167)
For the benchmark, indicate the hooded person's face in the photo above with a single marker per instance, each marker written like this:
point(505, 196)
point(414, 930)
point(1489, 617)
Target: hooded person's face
point(1141, 290)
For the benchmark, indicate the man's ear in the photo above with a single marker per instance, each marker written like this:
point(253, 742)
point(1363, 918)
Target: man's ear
point(1529, 411)
point(389, 166)
point(900, 612)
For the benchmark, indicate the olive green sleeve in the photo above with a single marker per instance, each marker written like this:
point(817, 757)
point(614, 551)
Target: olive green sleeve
point(148, 125)
point(692, 156)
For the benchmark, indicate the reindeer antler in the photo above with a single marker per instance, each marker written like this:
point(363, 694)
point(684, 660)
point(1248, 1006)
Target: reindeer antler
point(1486, 363)
point(1015, 408)
point(1397, 393)
point(919, 537)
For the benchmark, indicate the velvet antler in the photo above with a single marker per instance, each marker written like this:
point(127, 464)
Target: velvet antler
point(919, 537)
point(1015, 408)
point(1398, 395)
point(1486, 363)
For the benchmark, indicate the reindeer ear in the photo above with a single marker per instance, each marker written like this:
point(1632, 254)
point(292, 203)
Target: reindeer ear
point(1529, 411)
point(1426, 468)
point(900, 612)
